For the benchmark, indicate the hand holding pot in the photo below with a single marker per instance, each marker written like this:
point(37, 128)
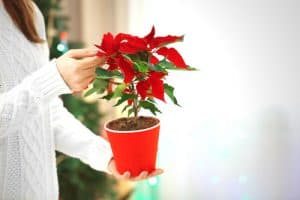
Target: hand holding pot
point(126, 176)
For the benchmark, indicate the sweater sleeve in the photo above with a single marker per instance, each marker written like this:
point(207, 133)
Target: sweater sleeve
point(74, 139)
point(34, 91)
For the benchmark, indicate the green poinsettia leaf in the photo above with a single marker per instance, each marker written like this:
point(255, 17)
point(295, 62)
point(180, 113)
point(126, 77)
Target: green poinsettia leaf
point(152, 100)
point(130, 111)
point(125, 108)
point(119, 90)
point(141, 66)
point(192, 68)
point(107, 74)
point(164, 64)
point(170, 66)
point(149, 106)
point(90, 91)
point(128, 57)
point(100, 85)
point(124, 98)
point(169, 90)
point(159, 68)
point(108, 96)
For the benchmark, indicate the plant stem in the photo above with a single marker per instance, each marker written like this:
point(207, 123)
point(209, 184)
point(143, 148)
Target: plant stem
point(114, 82)
point(135, 105)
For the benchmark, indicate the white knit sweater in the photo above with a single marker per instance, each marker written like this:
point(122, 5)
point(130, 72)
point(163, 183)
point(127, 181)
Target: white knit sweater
point(33, 121)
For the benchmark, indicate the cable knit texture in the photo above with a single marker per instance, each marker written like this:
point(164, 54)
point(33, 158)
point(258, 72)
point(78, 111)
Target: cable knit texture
point(33, 121)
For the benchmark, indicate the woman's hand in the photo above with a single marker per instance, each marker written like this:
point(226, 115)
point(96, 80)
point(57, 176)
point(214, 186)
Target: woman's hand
point(126, 176)
point(77, 67)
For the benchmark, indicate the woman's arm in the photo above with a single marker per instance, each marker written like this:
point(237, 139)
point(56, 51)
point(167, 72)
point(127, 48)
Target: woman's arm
point(40, 87)
point(74, 139)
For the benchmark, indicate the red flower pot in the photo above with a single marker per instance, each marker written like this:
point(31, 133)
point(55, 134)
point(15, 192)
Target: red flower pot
point(134, 151)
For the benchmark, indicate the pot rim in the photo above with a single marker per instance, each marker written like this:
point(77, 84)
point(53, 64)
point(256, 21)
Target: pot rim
point(131, 131)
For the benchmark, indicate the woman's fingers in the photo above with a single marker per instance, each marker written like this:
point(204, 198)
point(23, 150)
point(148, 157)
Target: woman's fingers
point(141, 176)
point(90, 62)
point(145, 175)
point(89, 80)
point(87, 73)
point(81, 53)
point(156, 173)
point(113, 169)
point(77, 67)
point(126, 175)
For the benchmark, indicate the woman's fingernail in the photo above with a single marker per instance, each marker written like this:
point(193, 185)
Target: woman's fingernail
point(94, 51)
point(144, 174)
point(127, 174)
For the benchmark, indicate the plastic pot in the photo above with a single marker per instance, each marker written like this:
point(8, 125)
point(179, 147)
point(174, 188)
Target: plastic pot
point(134, 151)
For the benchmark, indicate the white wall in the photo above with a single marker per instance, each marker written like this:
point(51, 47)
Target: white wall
point(237, 133)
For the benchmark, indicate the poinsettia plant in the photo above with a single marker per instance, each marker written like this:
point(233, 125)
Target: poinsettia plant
point(136, 70)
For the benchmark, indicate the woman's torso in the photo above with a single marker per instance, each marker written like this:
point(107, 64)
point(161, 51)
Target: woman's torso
point(27, 160)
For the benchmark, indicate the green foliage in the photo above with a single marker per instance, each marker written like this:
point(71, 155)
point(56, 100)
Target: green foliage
point(124, 98)
point(101, 85)
point(78, 181)
point(118, 92)
point(105, 74)
point(87, 113)
point(169, 90)
point(142, 66)
point(148, 105)
point(165, 65)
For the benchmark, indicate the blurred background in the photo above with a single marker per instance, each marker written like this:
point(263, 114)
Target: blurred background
point(236, 136)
